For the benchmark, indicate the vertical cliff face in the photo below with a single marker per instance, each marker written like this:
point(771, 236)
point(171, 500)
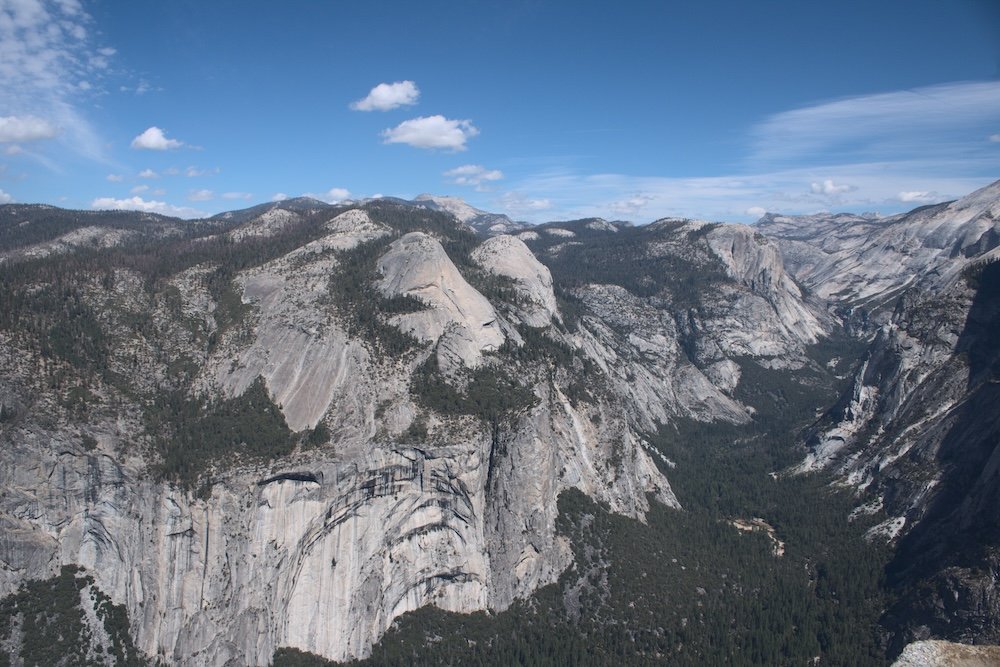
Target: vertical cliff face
point(918, 432)
point(418, 399)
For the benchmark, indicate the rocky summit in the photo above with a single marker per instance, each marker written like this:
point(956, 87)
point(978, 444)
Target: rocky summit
point(414, 432)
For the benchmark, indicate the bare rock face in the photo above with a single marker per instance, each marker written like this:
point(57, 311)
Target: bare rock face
point(265, 225)
point(305, 358)
point(323, 548)
point(917, 432)
point(936, 653)
point(868, 261)
point(508, 256)
point(459, 316)
point(91, 236)
point(756, 263)
point(647, 364)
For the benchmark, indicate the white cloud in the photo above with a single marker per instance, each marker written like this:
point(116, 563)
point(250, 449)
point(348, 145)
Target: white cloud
point(518, 204)
point(193, 172)
point(200, 195)
point(947, 120)
point(115, 178)
point(828, 187)
point(148, 173)
point(45, 53)
point(139, 189)
point(237, 195)
point(756, 212)
point(432, 132)
point(917, 196)
point(13, 149)
point(5, 198)
point(995, 138)
point(877, 187)
point(140, 204)
point(630, 205)
point(331, 196)
point(386, 96)
point(154, 139)
point(25, 128)
point(158, 192)
point(473, 174)
point(279, 196)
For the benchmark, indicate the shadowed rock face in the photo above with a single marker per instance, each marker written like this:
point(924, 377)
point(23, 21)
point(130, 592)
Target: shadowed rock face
point(918, 432)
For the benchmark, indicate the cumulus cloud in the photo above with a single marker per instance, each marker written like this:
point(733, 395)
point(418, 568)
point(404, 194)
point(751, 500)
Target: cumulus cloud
point(431, 132)
point(25, 128)
point(139, 189)
point(5, 198)
point(921, 196)
point(155, 139)
point(386, 96)
point(828, 187)
point(473, 174)
point(279, 196)
point(200, 195)
point(331, 196)
point(237, 195)
point(150, 206)
point(756, 211)
point(148, 173)
point(115, 178)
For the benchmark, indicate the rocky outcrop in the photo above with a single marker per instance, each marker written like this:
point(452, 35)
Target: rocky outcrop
point(458, 316)
point(756, 263)
point(868, 261)
point(508, 256)
point(298, 347)
point(935, 653)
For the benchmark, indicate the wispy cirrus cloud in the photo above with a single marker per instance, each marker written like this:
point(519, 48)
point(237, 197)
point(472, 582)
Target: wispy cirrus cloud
point(474, 175)
point(49, 63)
point(886, 152)
point(743, 197)
point(520, 204)
point(943, 120)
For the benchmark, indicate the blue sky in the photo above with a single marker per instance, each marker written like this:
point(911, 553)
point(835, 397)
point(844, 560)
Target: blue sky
point(541, 110)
